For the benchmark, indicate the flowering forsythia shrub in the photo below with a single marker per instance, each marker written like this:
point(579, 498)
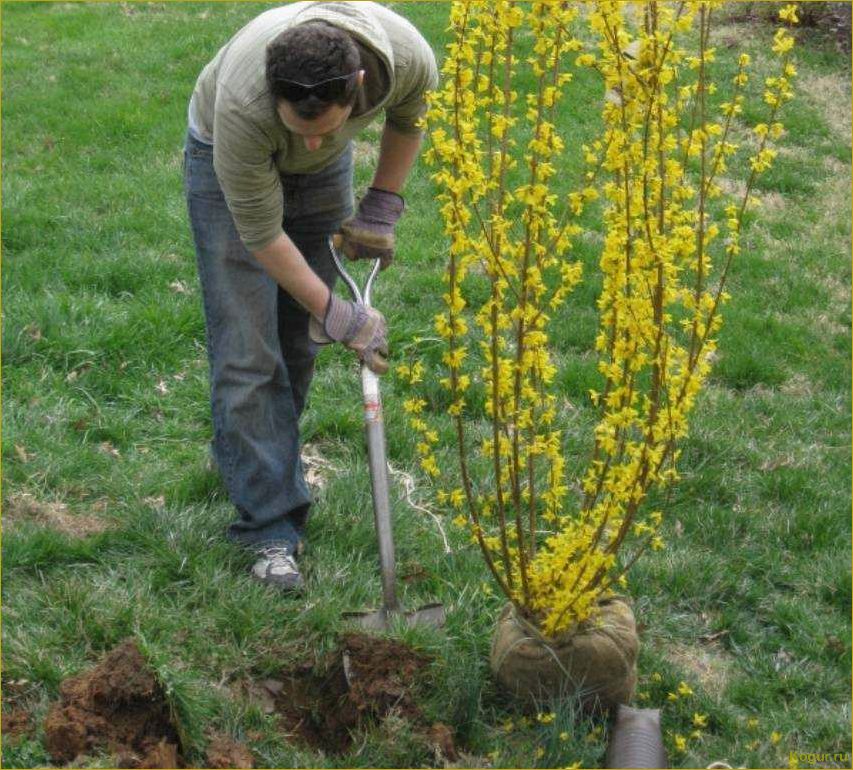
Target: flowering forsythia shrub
point(655, 169)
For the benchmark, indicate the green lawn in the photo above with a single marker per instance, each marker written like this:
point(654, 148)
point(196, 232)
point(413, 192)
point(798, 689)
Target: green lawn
point(113, 518)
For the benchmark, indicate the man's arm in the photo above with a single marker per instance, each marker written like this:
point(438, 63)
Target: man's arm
point(285, 263)
point(397, 154)
point(335, 320)
point(370, 233)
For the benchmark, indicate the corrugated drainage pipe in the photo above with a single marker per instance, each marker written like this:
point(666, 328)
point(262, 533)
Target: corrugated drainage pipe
point(636, 740)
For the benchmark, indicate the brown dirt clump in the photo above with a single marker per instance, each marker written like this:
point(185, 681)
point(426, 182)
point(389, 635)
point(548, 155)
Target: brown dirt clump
point(320, 709)
point(119, 706)
point(16, 723)
point(440, 737)
point(223, 752)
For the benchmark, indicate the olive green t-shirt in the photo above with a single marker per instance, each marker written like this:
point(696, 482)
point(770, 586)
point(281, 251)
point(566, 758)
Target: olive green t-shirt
point(232, 108)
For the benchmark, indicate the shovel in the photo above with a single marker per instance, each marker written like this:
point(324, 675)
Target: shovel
point(380, 620)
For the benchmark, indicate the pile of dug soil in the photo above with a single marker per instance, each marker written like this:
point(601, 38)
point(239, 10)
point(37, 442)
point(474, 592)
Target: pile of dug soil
point(320, 710)
point(16, 719)
point(225, 752)
point(15, 723)
point(118, 706)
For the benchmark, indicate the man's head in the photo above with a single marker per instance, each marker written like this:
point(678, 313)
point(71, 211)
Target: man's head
point(313, 75)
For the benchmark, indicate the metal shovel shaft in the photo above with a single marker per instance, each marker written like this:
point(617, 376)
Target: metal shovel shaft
point(375, 430)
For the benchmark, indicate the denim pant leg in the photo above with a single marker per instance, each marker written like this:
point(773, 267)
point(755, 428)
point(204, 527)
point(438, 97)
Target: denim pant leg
point(250, 330)
point(255, 422)
point(297, 348)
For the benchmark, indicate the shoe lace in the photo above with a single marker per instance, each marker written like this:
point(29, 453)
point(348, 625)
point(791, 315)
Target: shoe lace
point(273, 552)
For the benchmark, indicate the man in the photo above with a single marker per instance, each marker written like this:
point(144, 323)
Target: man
point(268, 177)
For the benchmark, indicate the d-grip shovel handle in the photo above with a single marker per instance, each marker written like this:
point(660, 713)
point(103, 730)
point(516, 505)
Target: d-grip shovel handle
point(369, 379)
point(363, 298)
point(375, 430)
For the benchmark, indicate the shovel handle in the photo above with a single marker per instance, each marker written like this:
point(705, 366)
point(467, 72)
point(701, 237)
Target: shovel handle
point(362, 296)
point(369, 379)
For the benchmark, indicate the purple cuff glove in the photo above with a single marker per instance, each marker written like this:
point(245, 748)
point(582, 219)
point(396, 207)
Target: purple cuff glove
point(370, 233)
point(359, 328)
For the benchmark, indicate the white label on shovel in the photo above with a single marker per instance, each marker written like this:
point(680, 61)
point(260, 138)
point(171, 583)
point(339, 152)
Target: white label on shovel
point(372, 401)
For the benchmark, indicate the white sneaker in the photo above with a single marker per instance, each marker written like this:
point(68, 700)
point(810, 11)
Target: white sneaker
point(277, 567)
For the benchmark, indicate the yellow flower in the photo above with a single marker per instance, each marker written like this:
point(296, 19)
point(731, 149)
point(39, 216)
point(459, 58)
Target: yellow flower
point(680, 742)
point(540, 752)
point(429, 465)
point(782, 42)
point(700, 720)
point(752, 723)
point(457, 498)
point(412, 373)
point(414, 405)
point(684, 689)
point(789, 13)
point(545, 719)
point(564, 736)
point(775, 737)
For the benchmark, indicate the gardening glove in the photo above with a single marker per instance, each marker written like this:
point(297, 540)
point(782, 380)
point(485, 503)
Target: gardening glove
point(359, 328)
point(370, 233)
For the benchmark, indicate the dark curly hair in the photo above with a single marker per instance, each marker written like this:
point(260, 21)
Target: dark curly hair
point(309, 53)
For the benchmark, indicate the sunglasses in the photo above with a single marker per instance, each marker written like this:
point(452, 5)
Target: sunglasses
point(325, 90)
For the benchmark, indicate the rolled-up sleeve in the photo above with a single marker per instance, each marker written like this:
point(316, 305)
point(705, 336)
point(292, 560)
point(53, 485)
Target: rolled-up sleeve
point(244, 164)
point(421, 76)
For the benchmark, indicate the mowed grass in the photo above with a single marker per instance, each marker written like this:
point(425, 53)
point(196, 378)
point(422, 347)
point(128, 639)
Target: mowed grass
point(114, 520)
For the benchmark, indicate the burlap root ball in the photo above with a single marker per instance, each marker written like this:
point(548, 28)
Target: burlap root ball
point(596, 661)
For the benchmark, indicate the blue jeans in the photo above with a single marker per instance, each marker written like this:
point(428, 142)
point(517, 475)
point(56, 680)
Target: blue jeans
point(261, 358)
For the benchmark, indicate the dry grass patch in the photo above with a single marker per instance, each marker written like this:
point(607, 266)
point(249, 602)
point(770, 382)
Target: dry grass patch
point(317, 468)
point(798, 385)
point(25, 507)
point(770, 200)
point(726, 35)
point(365, 153)
point(830, 94)
point(834, 195)
point(834, 192)
point(707, 664)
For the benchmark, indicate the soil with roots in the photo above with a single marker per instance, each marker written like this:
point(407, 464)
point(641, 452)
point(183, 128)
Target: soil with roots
point(321, 706)
point(118, 706)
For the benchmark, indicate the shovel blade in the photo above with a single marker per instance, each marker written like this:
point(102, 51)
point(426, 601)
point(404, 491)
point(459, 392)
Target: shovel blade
point(381, 620)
